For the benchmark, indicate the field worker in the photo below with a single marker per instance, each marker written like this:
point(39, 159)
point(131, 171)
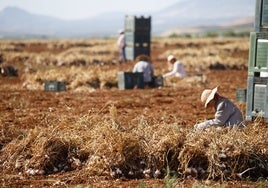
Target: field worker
point(121, 43)
point(227, 113)
point(178, 68)
point(143, 64)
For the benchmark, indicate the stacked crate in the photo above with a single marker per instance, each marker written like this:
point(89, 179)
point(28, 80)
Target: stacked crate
point(257, 87)
point(138, 36)
point(261, 16)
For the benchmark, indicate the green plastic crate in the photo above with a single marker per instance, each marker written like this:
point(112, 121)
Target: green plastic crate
point(241, 94)
point(261, 16)
point(257, 100)
point(258, 53)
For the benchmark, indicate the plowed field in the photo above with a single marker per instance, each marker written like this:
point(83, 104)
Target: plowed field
point(90, 69)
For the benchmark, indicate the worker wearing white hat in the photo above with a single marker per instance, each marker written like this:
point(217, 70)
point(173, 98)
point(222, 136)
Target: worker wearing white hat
point(178, 68)
point(227, 113)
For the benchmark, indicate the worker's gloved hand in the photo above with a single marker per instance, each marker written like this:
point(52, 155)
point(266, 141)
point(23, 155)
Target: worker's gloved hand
point(200, 126)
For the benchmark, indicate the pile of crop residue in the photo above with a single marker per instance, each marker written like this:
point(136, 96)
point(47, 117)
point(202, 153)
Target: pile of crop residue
point(76, 78)
point(97, 145)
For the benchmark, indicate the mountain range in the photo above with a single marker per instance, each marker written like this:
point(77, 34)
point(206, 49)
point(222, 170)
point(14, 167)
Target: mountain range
point(18, 23)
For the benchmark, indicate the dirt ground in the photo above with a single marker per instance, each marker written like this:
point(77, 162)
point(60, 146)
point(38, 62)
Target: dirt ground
point(26, 109)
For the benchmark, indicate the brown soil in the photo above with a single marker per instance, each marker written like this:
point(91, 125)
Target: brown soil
point(27, 109)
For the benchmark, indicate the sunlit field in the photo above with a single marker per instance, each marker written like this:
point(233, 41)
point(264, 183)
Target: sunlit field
point(95, 135)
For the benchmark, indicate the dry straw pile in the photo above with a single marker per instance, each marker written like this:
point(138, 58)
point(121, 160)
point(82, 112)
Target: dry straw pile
point(81, 63)
point(94, 145)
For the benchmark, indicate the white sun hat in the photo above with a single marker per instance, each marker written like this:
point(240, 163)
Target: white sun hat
point(207, 95)
point(170, 57)
point(121, 31)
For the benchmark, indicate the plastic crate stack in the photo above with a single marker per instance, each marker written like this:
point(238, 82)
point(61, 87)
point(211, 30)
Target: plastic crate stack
point(257, 86)
point(129, 80)
point(138, 36)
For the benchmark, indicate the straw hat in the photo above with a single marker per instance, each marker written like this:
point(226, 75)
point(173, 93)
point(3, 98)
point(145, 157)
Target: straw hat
point(207, 95)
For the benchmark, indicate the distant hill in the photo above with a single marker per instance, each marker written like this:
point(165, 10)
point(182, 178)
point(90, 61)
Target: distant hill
point(241, 25)
point(17, 23)
point(202, 15)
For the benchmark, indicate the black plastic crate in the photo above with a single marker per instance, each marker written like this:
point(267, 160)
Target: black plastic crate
point(129, 80)
point(132, 38)
point(138, 24)
point(56, 86)
point(133, 51)
point(138, 36)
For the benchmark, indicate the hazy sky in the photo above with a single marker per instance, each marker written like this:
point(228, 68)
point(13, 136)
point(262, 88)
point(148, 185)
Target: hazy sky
point(76, 9)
